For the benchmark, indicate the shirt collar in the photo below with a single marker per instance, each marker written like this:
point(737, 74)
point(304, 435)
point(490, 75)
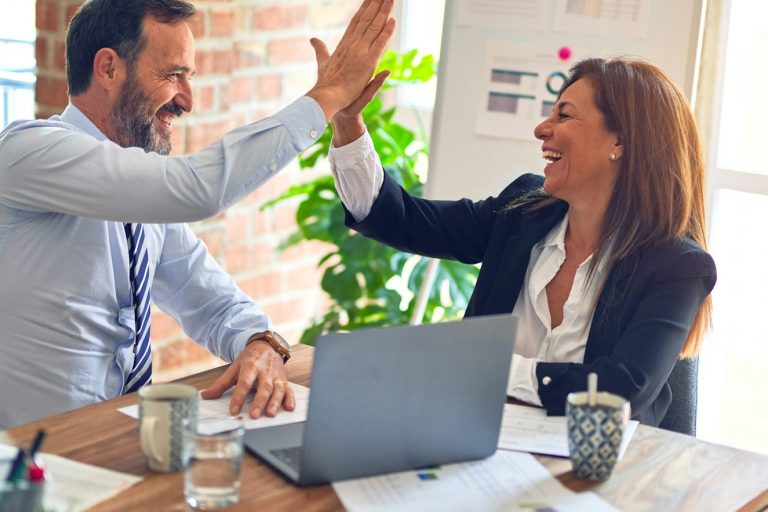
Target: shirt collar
point(556, 238)
point(74, 116)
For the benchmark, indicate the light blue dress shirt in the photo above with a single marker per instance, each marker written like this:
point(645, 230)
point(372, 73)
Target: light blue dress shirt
point(66, 320)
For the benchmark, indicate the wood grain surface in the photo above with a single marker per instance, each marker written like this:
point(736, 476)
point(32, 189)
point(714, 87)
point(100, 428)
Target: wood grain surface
point(660, 471)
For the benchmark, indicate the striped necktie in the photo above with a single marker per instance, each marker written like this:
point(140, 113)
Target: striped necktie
point(141, 373)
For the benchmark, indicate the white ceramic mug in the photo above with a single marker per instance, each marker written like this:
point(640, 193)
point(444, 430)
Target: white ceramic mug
point(163, 409)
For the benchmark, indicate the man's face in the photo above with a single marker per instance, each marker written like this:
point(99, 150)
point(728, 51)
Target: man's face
point(157, 88)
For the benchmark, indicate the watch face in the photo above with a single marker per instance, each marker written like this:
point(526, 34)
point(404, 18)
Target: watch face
point(281, 340)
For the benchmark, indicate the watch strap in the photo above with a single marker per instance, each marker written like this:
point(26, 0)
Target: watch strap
point(275, 341)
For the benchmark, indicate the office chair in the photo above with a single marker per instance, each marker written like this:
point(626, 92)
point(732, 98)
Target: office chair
point(681, 416)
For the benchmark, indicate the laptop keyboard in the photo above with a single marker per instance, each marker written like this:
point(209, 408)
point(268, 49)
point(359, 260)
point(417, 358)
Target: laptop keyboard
point(291, 457)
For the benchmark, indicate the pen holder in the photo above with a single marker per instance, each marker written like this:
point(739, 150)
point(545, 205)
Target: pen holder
point(23, 496)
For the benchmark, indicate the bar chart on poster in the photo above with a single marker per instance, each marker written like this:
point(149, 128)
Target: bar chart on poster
point(503, 63)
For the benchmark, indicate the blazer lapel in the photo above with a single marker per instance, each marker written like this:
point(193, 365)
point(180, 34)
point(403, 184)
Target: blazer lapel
point(508, 280)
point(609, 309)
point(497, 293)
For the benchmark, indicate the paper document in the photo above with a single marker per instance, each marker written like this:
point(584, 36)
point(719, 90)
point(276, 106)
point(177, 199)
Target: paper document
point(621, 18)
point(528, 429)
point(73, 486)
point(507, 14)
point(520, 84)
point(507, 481)
point(219, 409)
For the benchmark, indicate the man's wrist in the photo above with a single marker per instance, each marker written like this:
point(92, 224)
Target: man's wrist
point(328, 101)
point(274, 340)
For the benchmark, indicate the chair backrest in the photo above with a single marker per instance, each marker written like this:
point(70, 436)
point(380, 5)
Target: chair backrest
point(681, 416)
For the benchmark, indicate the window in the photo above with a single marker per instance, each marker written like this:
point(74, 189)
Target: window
point(17, 62)
point(422, 29)
point(733, 404)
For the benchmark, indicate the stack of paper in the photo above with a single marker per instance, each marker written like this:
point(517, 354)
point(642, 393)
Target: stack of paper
point(507, 481)
point(528, 429)
point(218, 409)
point(73, 486)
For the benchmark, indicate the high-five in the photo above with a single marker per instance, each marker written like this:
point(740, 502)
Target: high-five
point(343, 75)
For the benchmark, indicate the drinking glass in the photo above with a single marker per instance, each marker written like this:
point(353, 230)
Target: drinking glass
point(212, 463)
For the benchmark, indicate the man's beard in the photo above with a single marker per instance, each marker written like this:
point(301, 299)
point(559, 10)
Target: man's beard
point(134, 119)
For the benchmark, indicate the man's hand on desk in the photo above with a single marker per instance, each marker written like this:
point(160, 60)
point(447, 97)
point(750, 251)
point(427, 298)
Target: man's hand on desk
point(258, 367)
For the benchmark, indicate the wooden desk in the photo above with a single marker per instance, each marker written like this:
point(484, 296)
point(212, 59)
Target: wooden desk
point(661, 470)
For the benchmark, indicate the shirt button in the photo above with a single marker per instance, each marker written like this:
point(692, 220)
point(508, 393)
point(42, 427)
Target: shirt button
point(313, 133)
point(546, 380)
point(273, 167)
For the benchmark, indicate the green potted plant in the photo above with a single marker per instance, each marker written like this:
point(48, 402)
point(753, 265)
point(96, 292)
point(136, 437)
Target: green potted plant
point(368, 283)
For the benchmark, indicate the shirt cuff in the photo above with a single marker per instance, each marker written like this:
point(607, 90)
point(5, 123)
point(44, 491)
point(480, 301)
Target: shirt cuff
point(239, 342)
point(523, 384)
point(350, 154)
point(304, 119)
point(358, 175)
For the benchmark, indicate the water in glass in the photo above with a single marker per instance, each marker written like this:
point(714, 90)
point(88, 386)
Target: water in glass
point(212, 473)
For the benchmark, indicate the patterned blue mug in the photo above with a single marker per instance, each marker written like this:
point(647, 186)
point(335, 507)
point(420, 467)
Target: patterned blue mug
point(595, 432)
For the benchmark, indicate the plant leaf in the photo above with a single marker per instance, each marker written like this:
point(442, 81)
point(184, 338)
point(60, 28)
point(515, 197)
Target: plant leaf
point(369, 284)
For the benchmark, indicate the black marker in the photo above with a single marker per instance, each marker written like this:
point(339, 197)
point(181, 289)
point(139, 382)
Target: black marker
point(36, 443)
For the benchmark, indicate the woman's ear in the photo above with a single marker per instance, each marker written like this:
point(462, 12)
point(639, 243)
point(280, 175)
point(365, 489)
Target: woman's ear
point(618, 149)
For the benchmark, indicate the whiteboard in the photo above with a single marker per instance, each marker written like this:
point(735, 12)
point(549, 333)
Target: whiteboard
point(466, 161)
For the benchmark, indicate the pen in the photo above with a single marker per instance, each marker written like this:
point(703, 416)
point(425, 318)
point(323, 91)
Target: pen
point(18, 466)
point(36, 443)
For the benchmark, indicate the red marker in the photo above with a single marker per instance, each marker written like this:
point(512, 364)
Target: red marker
point(564, 53)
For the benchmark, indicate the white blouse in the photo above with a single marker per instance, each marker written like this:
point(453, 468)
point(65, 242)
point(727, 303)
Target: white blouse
point(359, 175)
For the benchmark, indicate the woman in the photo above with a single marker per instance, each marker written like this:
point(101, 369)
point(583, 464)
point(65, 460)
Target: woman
point(602, 261)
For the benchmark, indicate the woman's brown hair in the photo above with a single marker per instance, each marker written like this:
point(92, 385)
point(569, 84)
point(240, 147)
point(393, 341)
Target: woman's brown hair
point(659, 191)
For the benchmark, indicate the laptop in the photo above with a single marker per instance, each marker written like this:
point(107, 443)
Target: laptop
point(396, 398)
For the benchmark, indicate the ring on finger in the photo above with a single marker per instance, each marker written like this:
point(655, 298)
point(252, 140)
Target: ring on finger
point(280, 382)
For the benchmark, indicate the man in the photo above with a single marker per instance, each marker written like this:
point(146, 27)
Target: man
point(92, 211)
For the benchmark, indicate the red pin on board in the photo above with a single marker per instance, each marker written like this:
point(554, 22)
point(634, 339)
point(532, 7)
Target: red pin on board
point(564, 53)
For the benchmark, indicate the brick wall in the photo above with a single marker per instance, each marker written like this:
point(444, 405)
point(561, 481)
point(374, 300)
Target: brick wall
point(253, 57)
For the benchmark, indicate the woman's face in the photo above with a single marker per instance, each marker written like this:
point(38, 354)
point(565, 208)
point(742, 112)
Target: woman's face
point(578, 147)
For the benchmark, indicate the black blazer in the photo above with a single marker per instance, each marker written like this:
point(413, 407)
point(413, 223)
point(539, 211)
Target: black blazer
point(642, 316)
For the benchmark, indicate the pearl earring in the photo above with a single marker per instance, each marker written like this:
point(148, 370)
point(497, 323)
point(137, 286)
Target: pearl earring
point(613, 156)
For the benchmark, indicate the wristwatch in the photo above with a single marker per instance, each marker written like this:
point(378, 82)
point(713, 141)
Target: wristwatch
point(275, 341)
